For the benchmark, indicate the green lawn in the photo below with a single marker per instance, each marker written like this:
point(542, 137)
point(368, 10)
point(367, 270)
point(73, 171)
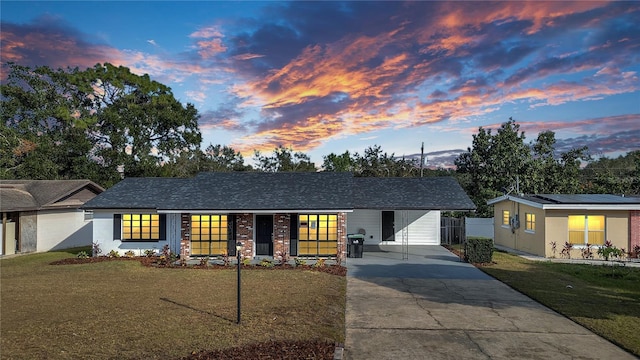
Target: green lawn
point(605, 299)
point(121, 309)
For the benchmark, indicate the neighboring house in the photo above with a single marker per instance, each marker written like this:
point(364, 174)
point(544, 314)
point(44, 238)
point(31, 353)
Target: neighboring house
point(43, 215)
point(300, 214)
point(532, 223)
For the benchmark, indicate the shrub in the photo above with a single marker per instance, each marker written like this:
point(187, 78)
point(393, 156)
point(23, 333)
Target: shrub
point(319, 263)
point(300, 261)
point(608, 251)
point(246, 261)
point(82, 255)
point(113, 254)
point(554, 248)
point(566, 250)
point(587, 253)
point(204, 261)
point(129, 253)
point(283, 257)
point(478, 249)
point(149, 252)
point(226, 260)
point(266, 263)
point(96, 249)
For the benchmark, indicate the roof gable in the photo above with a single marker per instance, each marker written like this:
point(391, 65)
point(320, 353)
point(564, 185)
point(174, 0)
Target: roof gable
point(26, 195)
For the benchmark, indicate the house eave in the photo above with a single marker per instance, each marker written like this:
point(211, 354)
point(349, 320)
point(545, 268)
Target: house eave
point(515, 199)
point(600, 207)
point(252, 211)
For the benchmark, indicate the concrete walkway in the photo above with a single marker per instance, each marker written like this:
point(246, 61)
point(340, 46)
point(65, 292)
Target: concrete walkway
point(432, 306)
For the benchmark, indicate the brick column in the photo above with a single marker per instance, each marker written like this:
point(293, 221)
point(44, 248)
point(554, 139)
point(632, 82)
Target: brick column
point(185, 236)
point(634, 229)
point(342, 237)
point(244, 231)
point(281, 234)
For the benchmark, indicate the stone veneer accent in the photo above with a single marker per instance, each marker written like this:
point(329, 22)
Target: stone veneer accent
point(185, 236)
point(634, 229)
point(281, 238)
point(342, 237)
point(244, 233)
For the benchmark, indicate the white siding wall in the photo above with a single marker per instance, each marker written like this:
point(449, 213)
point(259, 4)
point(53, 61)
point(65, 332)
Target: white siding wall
point(103, 235)
point(370, 221)
point(57, 229)
point(424, 226)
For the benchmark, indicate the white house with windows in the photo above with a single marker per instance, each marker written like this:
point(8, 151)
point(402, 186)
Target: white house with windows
point(44, 215)
point(533, 223)
point(301, 214)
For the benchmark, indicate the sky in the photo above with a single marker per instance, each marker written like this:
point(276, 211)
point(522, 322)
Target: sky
point(327, 77)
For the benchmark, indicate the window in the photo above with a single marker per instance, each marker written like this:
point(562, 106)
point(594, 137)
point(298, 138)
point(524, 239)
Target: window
point(586, 229)
point(530, 222)
point(317, 234)
point(505, 217)
point(142, 227)
point(209, 234)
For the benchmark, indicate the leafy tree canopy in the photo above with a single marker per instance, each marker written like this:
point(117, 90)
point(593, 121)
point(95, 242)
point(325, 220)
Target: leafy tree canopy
point(502, 163)
point(283, 159)
point(63, 124)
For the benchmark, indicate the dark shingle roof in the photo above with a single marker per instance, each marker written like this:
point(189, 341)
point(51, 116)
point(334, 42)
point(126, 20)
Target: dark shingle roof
point(583, 199)
point(25, 195)
point(266, 191)
point(431, 193)
point(573, 201)
point(246, 191)
point(232, 191)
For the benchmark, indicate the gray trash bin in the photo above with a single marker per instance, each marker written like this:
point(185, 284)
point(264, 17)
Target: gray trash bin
point(355, 245)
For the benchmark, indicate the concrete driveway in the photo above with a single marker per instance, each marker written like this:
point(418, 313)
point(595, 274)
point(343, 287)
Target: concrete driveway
point(432, 306)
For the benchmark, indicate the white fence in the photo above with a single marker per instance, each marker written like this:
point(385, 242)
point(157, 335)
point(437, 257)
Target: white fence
point(479, 227)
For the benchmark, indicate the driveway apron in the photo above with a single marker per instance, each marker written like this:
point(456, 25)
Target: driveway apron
point(433, 306)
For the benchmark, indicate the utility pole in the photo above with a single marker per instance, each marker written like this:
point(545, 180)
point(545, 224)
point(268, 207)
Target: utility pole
point(422, 159)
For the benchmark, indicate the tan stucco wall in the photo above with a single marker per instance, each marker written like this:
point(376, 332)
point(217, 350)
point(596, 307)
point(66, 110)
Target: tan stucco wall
point(552, 226)
point(520, 239)
point(616, 227)
point(502, 234)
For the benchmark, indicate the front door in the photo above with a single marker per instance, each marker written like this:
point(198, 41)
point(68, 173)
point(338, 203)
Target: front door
point(388, 230)
point(264, 235)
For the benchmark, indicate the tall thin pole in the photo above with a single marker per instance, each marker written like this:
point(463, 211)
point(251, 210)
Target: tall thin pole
point(421, 159)
point(239, 263)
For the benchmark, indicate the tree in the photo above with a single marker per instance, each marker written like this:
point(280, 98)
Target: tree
point(223, 158)
point(620, 175)
point(494, 164)
point(45, 123)
point(339, 163)
point(503, 163)
point(283, 159)
point(139, 123)
point(66, 124)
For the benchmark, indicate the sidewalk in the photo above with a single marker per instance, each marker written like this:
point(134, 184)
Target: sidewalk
point(522, 254)
point(432, 306)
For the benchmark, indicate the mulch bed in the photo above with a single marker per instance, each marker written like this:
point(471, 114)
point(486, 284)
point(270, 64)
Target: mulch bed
point(288, 350)
point(153, 262)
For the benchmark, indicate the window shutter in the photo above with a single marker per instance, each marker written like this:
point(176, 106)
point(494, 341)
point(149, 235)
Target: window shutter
point(231, 235)
point(163, 226)
point(293, 235)
point(117, 226)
